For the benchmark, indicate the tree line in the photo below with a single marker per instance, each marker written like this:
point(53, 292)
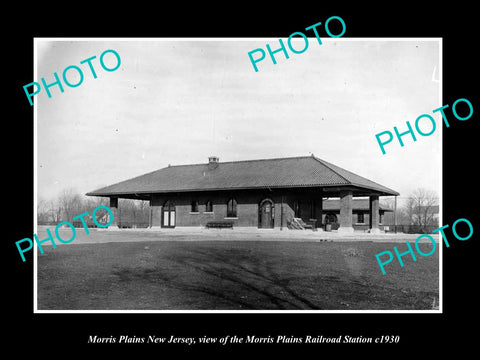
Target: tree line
point(418, 213)
point(70, 203)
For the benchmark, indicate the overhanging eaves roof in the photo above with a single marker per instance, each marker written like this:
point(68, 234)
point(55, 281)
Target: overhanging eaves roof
point(306, 171)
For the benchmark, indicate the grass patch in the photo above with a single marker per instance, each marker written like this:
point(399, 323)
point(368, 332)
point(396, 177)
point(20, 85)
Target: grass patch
point(234, 275)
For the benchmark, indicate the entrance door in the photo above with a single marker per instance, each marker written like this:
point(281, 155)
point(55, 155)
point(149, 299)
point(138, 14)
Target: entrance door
point(266, 214)
point(168, 215)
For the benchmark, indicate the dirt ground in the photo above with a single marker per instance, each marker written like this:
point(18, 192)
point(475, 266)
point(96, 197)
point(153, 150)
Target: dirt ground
point(146, 270)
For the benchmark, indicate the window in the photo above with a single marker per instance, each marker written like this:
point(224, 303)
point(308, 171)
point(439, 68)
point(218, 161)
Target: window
point(232, 208)
point(296, 209)
point(194, 208)
point(360, 218)
point(208, 206)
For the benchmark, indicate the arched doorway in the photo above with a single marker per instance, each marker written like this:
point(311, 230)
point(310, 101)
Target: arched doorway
point(266, 214)
point(331, 221)
point(168, 215)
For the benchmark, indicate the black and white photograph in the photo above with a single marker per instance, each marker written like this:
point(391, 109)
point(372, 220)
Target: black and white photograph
point(289, 178)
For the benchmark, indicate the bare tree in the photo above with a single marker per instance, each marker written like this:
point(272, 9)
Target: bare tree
point(54, 210)
point(144, 212)
point(388, 203)
point(70, 203)
point(421, 207)
point(409, 210)
point(127, 212)
point(133, 213)
point(42, 211)
point(90, 203)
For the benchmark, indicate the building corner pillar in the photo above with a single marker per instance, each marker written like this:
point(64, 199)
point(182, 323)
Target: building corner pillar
point(319, 211)
point(115, 212)
point(374, 207)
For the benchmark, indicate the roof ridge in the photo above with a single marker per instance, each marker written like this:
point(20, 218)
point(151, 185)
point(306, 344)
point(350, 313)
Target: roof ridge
point(238, 161)
point(336, 172)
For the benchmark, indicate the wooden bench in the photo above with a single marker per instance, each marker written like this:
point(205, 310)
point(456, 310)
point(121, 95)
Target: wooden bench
point(219, 224)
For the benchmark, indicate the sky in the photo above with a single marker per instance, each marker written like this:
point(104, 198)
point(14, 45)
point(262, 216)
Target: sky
point(179, 101)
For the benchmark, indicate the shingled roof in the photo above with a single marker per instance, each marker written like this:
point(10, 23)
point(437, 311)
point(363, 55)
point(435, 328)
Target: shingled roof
point(306, 171)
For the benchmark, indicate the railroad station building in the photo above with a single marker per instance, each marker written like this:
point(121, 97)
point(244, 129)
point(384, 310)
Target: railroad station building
point(265, 193)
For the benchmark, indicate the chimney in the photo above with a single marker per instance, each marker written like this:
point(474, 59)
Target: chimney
point(212, 162)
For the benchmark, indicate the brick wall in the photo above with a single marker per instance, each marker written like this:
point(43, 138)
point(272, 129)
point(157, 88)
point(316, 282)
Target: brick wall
point(247, 206)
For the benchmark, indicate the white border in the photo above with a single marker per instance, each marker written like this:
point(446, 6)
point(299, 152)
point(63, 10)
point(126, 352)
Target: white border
point(324, 39)
point(35, 195)
point(440, 203)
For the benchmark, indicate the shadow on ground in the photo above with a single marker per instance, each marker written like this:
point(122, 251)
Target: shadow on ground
point(228, 283)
